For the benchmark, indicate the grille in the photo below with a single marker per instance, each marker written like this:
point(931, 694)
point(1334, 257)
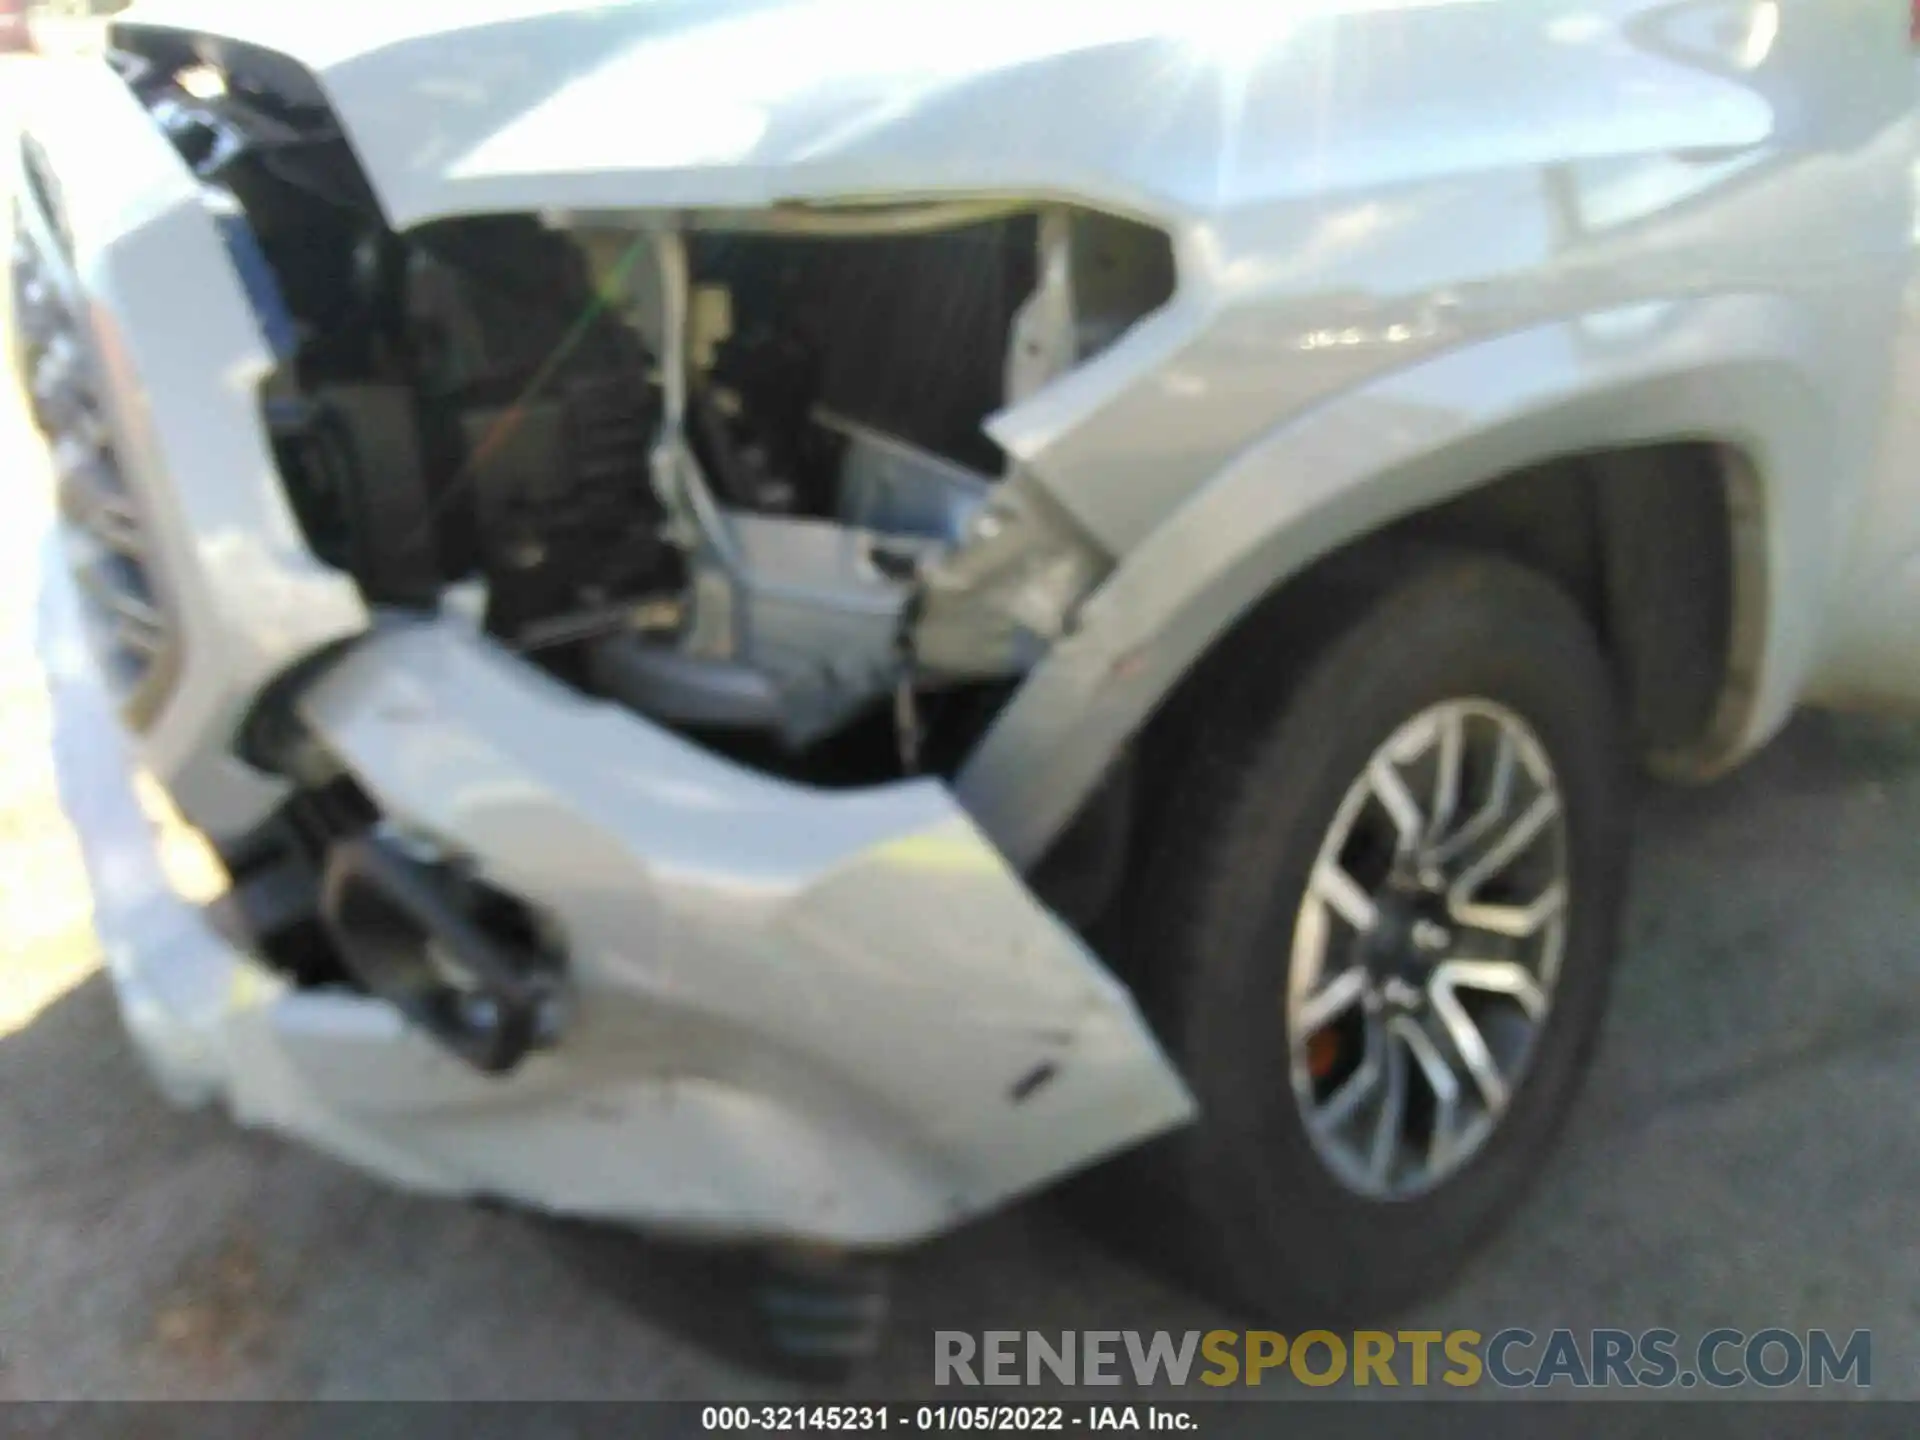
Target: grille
point(133, 636)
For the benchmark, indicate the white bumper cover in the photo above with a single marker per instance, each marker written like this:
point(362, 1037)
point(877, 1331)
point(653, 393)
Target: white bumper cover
point(837, 1017)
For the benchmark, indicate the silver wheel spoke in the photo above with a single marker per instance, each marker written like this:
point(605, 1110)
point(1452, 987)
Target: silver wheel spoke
point(1513, 922)
point(1494, 977)
point(1354, 1090)
point(1441, 1081)
point(1393, 1112)
point(1341, 891)
point(1471, 1046)
point(1510, 846)
point(1449, 751)
point(1506, 760)
point(1390, 788)
point(1334, 999)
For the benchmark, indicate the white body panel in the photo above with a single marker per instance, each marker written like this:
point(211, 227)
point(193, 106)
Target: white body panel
point(181, 358)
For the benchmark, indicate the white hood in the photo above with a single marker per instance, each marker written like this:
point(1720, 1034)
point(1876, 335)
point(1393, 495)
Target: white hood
point(1169, 108)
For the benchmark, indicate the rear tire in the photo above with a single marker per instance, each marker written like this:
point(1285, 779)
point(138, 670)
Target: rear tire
point(1268, 752)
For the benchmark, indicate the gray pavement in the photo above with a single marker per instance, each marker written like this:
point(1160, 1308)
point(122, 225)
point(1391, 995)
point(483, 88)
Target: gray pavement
point(1744, 1155)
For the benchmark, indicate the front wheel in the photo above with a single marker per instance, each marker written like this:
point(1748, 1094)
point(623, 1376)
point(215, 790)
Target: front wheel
point(1376, 929)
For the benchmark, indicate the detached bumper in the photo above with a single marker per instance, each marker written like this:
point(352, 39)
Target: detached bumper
point(837, 1017)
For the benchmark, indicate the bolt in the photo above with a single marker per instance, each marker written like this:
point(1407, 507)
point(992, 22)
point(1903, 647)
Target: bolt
point(480, 1012)
point(1402, 996)
point(1431, 938)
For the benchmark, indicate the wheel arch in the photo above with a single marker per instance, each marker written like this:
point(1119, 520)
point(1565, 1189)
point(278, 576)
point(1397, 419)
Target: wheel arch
point(1661, 547)
point(1440, 438)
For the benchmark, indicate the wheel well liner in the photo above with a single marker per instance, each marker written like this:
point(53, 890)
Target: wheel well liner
point(1644, 539)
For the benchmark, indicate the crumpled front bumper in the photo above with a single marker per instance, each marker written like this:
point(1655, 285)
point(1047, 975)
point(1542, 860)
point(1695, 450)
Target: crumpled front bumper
point(833, 1017)
point(829, 1016)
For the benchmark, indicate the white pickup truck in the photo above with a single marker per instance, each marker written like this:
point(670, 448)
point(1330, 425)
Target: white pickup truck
point(794, 618)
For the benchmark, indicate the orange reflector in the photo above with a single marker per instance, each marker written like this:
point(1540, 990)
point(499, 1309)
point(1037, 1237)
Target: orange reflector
point(1323, 1053)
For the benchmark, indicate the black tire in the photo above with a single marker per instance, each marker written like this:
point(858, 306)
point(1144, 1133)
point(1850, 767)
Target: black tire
point(1266, 746)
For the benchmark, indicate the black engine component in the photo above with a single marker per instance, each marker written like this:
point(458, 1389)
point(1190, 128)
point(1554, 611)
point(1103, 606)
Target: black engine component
point(451, 402)
point(271, 906)
point(763, 452)
point(539, 412)
point(350, 458)
point(265, 135)
point(460, 962)
point(903, 334)
point(563, 507)
point(510, 439)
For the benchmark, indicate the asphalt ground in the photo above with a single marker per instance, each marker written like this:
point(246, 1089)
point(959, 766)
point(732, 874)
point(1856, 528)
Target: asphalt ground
point(1744, 1155)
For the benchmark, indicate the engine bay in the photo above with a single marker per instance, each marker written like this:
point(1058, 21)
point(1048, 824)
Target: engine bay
point(730, 471)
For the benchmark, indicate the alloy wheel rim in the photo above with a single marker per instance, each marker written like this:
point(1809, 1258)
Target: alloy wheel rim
point(1427, 948)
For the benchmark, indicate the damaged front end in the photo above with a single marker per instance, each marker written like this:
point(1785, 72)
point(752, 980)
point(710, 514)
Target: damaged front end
point(730, 469)
point(607, 863)
point(726, 470)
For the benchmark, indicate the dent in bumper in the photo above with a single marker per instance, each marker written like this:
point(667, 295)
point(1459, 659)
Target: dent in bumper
point(799, 1014)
